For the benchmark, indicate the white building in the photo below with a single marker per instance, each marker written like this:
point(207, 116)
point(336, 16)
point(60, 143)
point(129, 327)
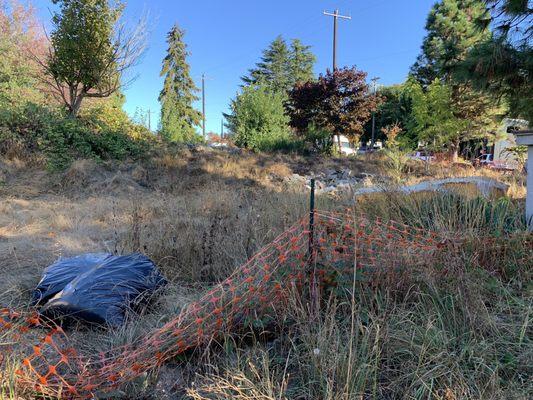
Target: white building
point(505, 140)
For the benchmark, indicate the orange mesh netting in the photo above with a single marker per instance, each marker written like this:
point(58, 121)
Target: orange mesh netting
point(382, 250)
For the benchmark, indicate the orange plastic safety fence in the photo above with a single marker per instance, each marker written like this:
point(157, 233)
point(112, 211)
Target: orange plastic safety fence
point(342, 244)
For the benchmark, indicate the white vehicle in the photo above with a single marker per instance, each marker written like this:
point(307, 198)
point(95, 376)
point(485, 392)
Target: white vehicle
point(484, 160)
point(422, 156)
point(346, 148)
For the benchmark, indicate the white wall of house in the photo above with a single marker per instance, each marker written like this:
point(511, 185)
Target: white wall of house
point(526, 139)
point(506, 140)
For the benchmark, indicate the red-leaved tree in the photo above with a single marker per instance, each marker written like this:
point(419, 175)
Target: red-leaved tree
point(338, 103)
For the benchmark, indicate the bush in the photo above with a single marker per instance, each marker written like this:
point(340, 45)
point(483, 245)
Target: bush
point(396, 162)
point(33, 131)
point(321, 140)
point(259, 121)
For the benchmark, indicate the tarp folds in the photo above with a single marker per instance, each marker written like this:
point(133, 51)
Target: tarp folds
point(62, 272)
point(103, 292)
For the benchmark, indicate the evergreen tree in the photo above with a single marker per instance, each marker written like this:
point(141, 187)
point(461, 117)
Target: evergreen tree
point(281, 66)
point(451, 31)
point(301, 63)
point(273, 67)
point(178, 117)
point(503, 64)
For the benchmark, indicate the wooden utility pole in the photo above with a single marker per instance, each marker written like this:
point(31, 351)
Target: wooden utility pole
point(374, 91)
point(150, 120)
point(335, 16)
point(222, 128)
point(203, 106)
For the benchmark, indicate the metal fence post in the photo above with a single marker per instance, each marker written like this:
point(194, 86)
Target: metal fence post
point(312, 223)
point(312, 267)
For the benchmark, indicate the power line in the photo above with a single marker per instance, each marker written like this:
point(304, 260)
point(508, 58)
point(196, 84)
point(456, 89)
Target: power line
point(291, 31)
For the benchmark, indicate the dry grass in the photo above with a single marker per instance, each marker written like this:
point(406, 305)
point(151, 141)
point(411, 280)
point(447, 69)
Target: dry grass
point(200, 214)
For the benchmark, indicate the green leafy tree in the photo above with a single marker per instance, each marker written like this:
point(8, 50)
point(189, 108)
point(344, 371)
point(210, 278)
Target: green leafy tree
point(19, 40)
point(258, 120)
point(109, 112)
point(502, 65)
point(435, 117)
point(395, 109)
point(90, 50)
point(339, 103)
point(178, 117)
point(281, 66)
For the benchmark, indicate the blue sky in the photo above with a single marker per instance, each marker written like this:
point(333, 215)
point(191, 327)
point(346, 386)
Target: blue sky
point(225, 39)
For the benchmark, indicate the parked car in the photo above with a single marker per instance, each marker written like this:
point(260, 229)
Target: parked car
point(422, 156)
point(484, 160)
point(347, 148)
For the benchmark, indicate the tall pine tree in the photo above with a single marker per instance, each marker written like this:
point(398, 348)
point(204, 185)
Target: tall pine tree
point(452, 31)
point(178, 117)
point(503, 65)
point(452, 27)
point(273, 67)
point(301, 63)
point(282, 66)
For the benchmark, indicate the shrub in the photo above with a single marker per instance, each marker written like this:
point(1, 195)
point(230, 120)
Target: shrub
point(396, 162)
point(258, 119)
point(321, 140)
point(33, 131)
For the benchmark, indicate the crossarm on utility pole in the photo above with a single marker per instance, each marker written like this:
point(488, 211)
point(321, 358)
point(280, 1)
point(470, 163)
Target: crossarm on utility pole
point(337, 15)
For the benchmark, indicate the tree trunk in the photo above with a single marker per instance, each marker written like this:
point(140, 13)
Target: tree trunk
point(455, 152)
point(76, 105)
